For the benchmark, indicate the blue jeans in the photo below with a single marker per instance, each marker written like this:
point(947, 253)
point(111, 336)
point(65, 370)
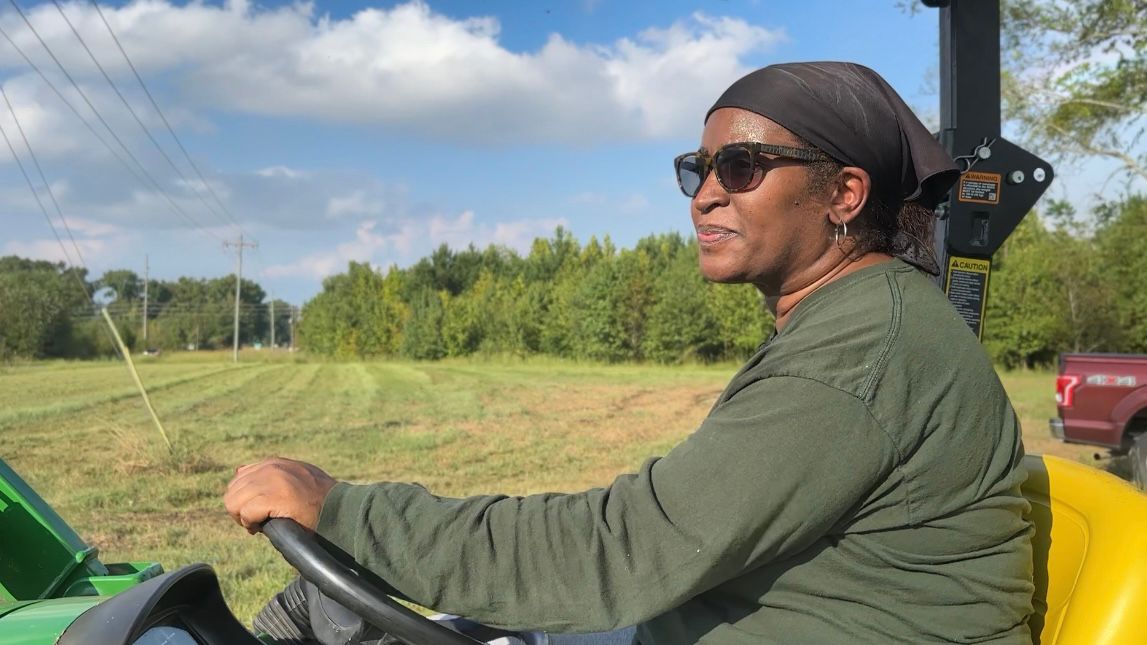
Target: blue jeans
point(619, 637)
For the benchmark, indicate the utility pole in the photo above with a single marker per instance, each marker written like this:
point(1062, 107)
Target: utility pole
point(238, 279)
point(272, 322)
point(145, 271)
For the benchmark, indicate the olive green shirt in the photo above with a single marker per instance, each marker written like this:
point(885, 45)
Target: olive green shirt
point(857, 482)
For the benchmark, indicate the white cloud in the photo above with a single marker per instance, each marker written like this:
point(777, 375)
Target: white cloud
point(284, 198)
point(96, 241)
point(518, 235)
point(634, 204)
point(150, 209)
point(322, 264)
point(88, 227)
point(196, 186)
point(589, 199)
point(51, 250)
point(624, 204)
point(412, 68)
point(366, 244)
point(356, 203)
point(462, 231)
point(452, 231)
point(411, 238)
point(281, 171)
point(48, 126)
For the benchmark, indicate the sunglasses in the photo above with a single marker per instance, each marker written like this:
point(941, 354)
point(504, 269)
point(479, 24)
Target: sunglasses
point(739, 167)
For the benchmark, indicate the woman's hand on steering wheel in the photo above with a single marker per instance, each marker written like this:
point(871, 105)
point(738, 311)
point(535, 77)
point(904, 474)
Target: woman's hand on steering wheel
point(277, 488)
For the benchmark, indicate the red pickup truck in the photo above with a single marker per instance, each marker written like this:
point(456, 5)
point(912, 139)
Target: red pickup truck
point(1102, 400)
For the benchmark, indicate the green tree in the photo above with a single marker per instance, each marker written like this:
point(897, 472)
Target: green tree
point(634, 297)
point(466, 317)
point(741, 321)
point(37, 301)
point(358, 314)
point(1021, 325)
point(125, 285)
point(596, 330)
point(560, 294)
point(1077, 77)
point(549, 257)
point(318, 327)
point(1122, 245)
point(680, 324)
point(422, 335)
point(1049, 293)
point(525, 306)
point(393, 312)
point(281, 322)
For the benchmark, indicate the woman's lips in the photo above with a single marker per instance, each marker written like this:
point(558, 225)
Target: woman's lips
point(713, 235)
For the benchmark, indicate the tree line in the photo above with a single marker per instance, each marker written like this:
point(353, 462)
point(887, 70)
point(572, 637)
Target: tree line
point(1061, 283)
point(588, 301)
point(50, 310)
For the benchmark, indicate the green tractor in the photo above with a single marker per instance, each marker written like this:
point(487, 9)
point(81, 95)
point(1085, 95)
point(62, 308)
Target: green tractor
point(55, 590)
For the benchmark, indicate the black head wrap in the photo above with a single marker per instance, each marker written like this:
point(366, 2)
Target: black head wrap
point(850, 113)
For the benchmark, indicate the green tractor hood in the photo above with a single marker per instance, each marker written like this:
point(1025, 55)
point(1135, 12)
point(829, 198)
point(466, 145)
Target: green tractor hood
point(48, 575)
point(35, 622)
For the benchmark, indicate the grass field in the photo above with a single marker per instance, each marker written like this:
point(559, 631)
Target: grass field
point(80, 435)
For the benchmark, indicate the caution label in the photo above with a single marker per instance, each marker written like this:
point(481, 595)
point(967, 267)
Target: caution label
point(967, 289)
point(979, 187)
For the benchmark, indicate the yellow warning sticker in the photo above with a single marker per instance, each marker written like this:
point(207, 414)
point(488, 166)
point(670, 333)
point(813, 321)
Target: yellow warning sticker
point(979, 187)
point(970, 264)
point(967, 289)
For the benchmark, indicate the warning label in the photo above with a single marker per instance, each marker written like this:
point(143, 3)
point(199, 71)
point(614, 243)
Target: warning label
point(979, 187)
point(967, 289)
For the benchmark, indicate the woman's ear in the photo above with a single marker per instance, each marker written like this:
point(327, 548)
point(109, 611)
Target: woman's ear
point(850, 193)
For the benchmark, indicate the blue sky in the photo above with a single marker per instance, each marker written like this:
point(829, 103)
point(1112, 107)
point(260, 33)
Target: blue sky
point(337, 131)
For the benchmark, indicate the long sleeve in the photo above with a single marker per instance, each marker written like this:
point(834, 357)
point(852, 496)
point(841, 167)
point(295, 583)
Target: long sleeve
point(776, 466)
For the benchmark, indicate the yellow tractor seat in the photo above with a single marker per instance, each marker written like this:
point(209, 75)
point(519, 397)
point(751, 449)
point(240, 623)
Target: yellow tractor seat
point(1090, 555)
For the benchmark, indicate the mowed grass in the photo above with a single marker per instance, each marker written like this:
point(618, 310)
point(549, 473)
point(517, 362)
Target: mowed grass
point(81, 437)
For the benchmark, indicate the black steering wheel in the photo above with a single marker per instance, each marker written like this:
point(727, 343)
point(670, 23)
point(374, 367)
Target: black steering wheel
point(337, 575)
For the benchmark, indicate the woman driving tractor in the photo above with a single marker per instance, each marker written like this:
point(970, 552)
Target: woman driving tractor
point(857, 481)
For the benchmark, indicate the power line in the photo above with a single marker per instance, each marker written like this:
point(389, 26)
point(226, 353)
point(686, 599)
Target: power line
point(162, 117)
point(136, 173)
point(72, 265)
point(152, 308)
point(179, 304)
point(221, 308)
point(130, 109)
point(129, 311)
point(44, 210)
point(220, 317)
point(71, 107)
point(44, 179)
point(104, 122)
point(146, 176)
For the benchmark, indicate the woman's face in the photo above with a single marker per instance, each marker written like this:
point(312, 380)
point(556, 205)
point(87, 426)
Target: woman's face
point(765, 236)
